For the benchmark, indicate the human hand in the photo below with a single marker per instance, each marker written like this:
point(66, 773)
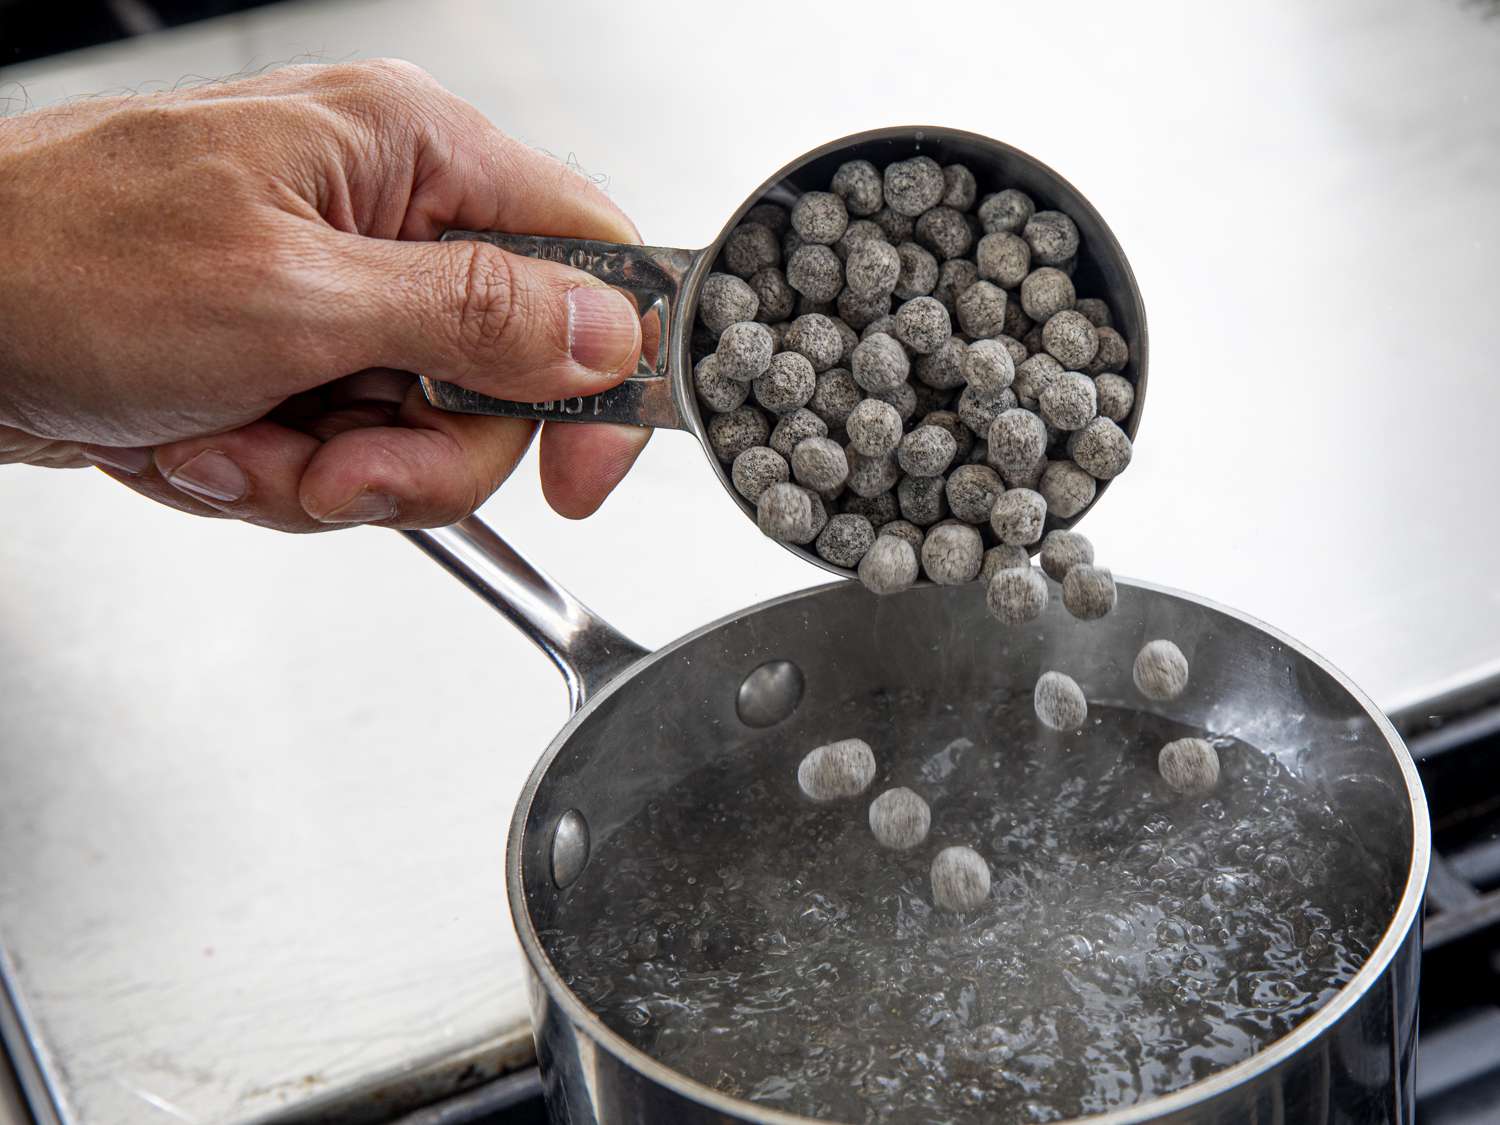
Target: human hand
point(218, 295)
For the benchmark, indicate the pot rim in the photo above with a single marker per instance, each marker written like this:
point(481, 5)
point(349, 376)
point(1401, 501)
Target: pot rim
point(1395, 935)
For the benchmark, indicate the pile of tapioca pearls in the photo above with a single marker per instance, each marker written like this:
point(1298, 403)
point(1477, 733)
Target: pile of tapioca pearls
point(909, 383)
point(900, 818)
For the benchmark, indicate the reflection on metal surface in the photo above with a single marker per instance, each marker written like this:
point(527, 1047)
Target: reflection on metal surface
point(570, 848)
point(770, 693)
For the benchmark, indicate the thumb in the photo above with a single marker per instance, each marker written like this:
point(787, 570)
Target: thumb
point(470, 313)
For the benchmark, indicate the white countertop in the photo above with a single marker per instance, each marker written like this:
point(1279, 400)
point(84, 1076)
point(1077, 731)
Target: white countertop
point(253, 788)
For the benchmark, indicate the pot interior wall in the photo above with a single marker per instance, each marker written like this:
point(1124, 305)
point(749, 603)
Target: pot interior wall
point(677, 711)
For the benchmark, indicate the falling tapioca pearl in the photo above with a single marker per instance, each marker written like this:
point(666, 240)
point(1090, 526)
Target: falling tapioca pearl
point(838, 770)
point(960, 880)
point(1189, 765)
point(899, 819)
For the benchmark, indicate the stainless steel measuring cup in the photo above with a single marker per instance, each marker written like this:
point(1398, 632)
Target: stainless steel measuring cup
point(666, 284)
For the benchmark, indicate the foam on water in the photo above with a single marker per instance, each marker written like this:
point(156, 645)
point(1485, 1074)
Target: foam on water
point(1134, 941)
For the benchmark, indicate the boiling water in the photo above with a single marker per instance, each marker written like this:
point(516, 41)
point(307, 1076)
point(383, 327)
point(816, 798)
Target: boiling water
point(1134, 941)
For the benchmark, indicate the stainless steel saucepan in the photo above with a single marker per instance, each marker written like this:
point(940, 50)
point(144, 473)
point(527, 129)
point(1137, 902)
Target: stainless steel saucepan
point(644, 720)
point(667, 283)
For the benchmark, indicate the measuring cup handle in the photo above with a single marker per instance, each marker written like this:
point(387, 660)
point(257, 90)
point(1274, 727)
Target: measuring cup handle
point(588, 651)
point(652, 276)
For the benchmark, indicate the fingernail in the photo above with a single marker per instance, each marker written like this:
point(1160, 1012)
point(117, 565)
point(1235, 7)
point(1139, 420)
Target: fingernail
point(603, 328)
point(365, 507)
point(132, 461)
point(210, 476)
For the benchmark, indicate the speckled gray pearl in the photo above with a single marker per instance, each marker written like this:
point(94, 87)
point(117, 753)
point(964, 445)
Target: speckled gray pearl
point(1160, 671)
point(769, 215)
point(952, 554)
point(715, 391)
point(845, 540)
point(1006, 210)
point(1189, 765)
point(856, 234)
point(1067, 489)
point(860, 312)
point(926, 452)
point(1059, 702)
point(1033, 375)
point(725, 300)
point(943, 231)
point(903, 528)
point(757, 469)
point(919, 272)
point(859, 184)
point(960, 880)
point(785, 512)
point(988, 367)
point(837, 771)
point(897, 227)
point(889, 566)
point(902, 397)
point(922, 324)
point(819, 463)
point(1018, 440)
point(751, 248)
point(979, 411)
point(1018, 516)
point(954, 276)
point(923, 500)
point(815, 272)
point(1003, 258)
point(972, 491)
point(815, 338)
point(820, 217)
point(870, 476)
point(1003, 557)
point(1112, 353)
point(793, 428)
point(734, 431)
point(1062, 551)
point(1116, 396)
point(1016, 595)
point(835, 396)
point(788, 383)
point(874, 428)
point(1017, 325)
point(959, 188)
point(1052, 236)
point(963, 438)
point(899, 819)
point(1070, 339)
point(1046, 292)
point(777, 298)
point(744, 351)
point(1017, 350)
point(981, 310)
point(943, 368)
point(1096, 310)
point(872, 269)
point(879, 509)
point(1088, 591)
point(1069, 401)
point(1101, 449)
point(880, 363)
point(912, 186)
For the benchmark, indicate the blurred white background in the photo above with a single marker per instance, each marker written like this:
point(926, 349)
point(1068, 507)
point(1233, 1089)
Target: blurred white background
point(253, 788)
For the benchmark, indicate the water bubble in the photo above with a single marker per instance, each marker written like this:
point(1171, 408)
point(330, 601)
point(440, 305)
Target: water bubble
point(1169, 932)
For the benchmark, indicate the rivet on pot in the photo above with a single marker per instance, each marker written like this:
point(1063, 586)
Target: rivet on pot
point(570, 848)
point(770, 693)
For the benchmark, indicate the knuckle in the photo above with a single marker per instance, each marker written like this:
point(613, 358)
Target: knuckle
point(492, 308)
